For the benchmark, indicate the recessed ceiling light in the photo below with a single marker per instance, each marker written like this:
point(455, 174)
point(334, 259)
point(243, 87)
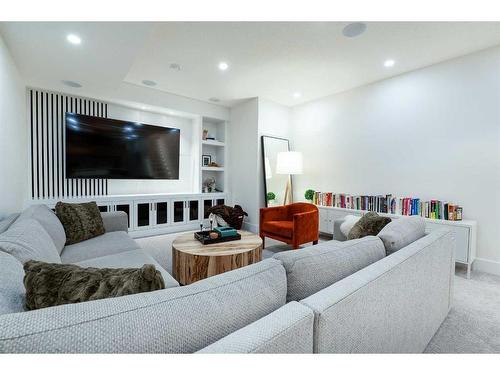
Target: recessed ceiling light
point(71, 83)
point(74, 39)
point(148, 82)
point(175, 66)
point(215, 100)
point(223, 65)
point(297, 95)
point(389, 63)
point(354, 29)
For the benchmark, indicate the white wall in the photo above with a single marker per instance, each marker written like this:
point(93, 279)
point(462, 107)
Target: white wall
point(243, 164)
point(188, 181)
point(249, 121)
point(13, 136)
point(274, 120)
point(431, 133)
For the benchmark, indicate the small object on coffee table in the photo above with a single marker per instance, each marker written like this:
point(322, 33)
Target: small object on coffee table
point(226, 231)
point(205, 237)
point(192, 261)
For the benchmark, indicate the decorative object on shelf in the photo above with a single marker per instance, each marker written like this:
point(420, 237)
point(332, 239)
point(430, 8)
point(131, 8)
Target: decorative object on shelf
point(276, 183)
point(205, 134)
point(309, 195)
point(206, 160)
point(228, 215)
point(289, 163)
point(213, 164)
point(209, 185)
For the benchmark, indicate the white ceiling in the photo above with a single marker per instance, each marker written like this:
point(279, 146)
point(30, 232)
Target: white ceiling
point(271, 60)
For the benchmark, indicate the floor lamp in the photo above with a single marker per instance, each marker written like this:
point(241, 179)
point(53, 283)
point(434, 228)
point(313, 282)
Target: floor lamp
point(289, 163)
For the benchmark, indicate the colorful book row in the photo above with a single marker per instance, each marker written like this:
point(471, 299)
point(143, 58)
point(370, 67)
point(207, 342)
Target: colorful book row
point(433, 209)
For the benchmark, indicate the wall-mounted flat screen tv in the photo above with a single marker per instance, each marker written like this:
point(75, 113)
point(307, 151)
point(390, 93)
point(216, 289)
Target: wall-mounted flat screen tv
point(99, 147)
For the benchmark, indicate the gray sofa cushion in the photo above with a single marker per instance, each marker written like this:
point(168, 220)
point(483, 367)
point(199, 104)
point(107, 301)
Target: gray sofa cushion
point(402, 232)
point(115, 221)
point(107, 244)
point(316, 267)
point(174, 320)
point(129, 259)
point(26, 239)
point(11, 284)
point(7, 222)
point(49, 222)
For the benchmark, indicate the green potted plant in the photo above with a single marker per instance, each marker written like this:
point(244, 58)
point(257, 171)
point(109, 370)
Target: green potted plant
point(271, 198)
point(309, 195)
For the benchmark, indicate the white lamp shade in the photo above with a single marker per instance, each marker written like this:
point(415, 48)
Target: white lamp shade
point(289, 162)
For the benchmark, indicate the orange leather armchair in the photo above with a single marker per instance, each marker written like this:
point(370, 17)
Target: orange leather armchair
point(294, 224)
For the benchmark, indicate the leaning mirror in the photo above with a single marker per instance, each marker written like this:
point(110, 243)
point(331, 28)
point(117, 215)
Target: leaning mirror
point(276, 185)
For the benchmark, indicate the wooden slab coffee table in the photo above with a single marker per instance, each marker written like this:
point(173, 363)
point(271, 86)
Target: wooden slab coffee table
point(192, 261)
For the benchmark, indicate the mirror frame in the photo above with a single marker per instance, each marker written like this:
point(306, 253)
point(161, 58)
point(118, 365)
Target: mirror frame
point(264, 162)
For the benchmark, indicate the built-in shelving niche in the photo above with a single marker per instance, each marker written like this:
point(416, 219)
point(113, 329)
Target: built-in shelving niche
point(216, 149)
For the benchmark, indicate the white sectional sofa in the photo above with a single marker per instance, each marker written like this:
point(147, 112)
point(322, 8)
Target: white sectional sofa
point(335, 297)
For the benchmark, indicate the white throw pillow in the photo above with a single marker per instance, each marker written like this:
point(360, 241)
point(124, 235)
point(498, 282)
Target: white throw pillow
point(402, 232)
point(348, 223)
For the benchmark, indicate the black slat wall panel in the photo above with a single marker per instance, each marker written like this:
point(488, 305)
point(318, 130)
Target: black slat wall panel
point(46, 115)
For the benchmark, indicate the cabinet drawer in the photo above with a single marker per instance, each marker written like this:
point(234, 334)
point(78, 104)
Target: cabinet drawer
point(461, 240)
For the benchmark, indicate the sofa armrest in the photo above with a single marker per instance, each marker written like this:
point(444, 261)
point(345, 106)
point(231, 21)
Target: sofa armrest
point(286, 330)
point(274, 213)
point(115, 221)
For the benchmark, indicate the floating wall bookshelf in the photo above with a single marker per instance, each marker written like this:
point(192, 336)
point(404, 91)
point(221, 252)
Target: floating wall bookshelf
point(216, 150)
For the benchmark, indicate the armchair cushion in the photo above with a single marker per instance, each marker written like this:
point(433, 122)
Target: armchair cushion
point(281, 228)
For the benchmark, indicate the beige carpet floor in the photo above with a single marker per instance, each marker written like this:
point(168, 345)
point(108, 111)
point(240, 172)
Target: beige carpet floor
point(472, 326)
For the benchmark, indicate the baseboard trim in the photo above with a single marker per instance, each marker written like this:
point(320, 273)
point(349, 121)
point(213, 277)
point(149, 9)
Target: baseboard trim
point(485, 265)
point(251, 227)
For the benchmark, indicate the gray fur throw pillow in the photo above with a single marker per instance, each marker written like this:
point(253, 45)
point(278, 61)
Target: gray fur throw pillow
point(81, 221)
point(51, 284)
point(369, 225)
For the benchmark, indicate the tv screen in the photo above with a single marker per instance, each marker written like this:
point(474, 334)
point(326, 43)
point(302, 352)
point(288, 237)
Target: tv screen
point(98, 147)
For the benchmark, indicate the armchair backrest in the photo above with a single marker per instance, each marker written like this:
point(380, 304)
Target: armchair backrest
point(300, 207)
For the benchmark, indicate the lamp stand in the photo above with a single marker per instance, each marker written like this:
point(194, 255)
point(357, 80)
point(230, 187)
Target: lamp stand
point(288, 191)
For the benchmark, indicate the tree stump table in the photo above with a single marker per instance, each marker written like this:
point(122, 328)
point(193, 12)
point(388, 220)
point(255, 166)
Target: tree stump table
point(193, 261)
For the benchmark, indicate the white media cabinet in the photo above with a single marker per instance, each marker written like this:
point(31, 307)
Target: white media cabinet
point(152, 214)
point(465, 231)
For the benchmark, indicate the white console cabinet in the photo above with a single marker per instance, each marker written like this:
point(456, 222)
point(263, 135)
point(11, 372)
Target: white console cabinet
point(465, 231)
point(152, 214)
